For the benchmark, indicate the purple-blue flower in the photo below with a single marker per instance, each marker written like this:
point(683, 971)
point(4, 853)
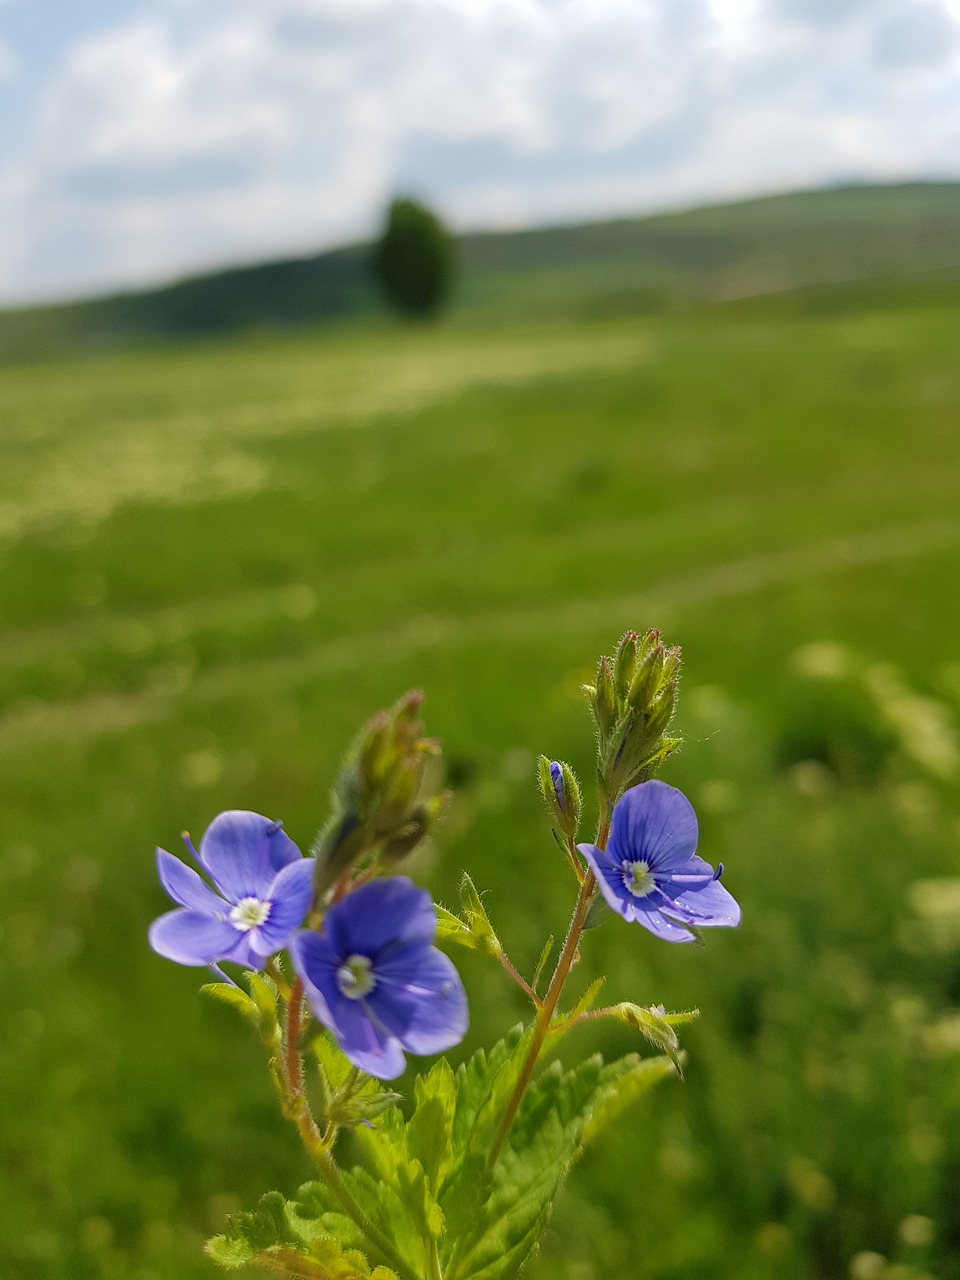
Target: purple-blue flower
point(263, 890)
point(375, 979)
point(650, 872)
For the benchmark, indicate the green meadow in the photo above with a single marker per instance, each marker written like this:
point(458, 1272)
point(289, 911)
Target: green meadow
point(216, 560)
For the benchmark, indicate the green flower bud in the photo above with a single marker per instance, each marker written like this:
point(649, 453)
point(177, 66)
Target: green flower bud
point(561, 794)
point(604, 699)
point(625, 664)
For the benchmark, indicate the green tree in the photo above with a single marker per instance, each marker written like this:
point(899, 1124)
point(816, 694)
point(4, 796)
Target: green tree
point(414, 260)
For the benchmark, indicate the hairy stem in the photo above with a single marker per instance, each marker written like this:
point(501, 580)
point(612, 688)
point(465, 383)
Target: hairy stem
point(518, 979)
point(317, 1146)
point(547, 1009)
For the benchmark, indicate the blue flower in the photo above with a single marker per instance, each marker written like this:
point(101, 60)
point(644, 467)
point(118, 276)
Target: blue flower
point(263, 891)
point(373, 977)
point(650, 872)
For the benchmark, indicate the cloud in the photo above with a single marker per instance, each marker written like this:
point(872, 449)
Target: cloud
point(925, 35)
point(197, 135)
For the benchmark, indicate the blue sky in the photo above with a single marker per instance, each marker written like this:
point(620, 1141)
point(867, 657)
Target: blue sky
point(143, 139)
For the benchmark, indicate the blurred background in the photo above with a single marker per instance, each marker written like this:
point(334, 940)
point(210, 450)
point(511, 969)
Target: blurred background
point(687, 356)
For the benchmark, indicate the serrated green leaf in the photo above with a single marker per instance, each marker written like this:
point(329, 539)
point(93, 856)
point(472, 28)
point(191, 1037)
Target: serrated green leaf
point(229, 1254)
point(419, 1201)
point(428, 1129)
point(560, 1112)
point(631, 1085)
point(251, 1232)
point(318, 1213)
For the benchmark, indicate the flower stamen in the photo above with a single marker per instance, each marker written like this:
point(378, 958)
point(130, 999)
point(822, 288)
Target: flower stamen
point(356, 978)
point(250, 913)
point(638, 878)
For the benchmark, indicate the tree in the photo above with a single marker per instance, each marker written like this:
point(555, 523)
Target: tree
point(414, 260)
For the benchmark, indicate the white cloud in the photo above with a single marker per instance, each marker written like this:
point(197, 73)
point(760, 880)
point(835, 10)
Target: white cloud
point(198, 135)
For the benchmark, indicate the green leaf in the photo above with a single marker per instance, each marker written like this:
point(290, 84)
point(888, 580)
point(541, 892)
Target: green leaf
point(583, 1005)
point(475, 933)
point(477, 919)
point(230, 995)
point(251, 1232)
point(450, 928)
point(544, 957)
point(264, 993)
point(259, 1007)
point(491, 1235)
point(632, 1084)
point(430, 1126)
point(598, 912)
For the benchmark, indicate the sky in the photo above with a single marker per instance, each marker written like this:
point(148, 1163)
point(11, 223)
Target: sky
point(141, 140)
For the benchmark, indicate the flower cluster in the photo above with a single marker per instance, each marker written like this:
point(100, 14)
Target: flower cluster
point(371, 974)
point(361, 960)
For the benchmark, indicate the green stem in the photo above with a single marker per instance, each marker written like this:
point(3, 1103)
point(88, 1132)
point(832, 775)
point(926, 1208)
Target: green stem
point(330, 1174)
point(521, 982)
point(316, 1145)
point(431, 1257)
point(560, 974)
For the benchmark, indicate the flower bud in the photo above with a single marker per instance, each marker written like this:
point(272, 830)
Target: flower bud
point(561, 794)
point(421, 820)
point(378, 808)
point(633, 703)
point(625, 663)
point(604, 699)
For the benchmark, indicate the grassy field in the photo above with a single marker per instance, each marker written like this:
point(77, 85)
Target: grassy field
point(215, 561)
point(890, 234)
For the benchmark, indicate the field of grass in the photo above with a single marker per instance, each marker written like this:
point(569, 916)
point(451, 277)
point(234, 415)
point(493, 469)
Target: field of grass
point(892, 234)
point(216, 561)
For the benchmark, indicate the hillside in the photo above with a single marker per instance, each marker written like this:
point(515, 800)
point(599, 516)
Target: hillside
point(791, 242)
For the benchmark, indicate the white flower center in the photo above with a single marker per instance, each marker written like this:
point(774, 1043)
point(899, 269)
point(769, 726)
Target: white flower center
point(250, 913)
point(638, 879)
point(355, 978)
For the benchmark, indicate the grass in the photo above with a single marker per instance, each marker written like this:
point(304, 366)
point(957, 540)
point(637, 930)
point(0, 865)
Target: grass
point(217, 560)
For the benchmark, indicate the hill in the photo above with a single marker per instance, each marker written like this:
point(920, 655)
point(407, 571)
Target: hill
point(802, 241)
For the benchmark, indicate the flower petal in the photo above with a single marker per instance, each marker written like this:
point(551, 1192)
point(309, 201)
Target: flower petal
point(316, 964)
point(711, 905)
point(289, 897)
point(654, 919)
point(653, 823)
point(193, 937)
point(243, 852)
point(610, 880)
point(420, 999)
point(366, 1041)
point(185, 886)
point(381, 914)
